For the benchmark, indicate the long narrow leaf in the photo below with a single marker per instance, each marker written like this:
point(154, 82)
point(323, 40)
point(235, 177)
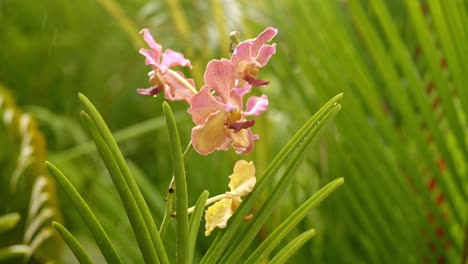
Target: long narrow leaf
point(243, 239)
point(195, 222)
point(123, 135)
point(134, 215)
point(292, 247)
point(298, 141)
point(170, 198)
point(73, 244)
point(183, 251)
point(101, 237)
point(281, 231)
point(130, 181)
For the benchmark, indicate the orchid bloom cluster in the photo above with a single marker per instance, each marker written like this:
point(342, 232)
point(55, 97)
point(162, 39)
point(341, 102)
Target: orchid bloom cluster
point(242, 183)
point(220, 109)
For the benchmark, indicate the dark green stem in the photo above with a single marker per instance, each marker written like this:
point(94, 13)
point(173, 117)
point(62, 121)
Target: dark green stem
point(169, 214)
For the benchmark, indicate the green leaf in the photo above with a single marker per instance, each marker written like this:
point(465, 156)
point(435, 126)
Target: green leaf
point(139, 227)
point(111, 144)
point(73, 244)
point(402, 144)
point(40, 210)
point(15, 252)
point(101, 237)
point(291, 153)
point(170, 198)
point(246, 236)
point(183, 250)
point(123, 135)
point(24, 183)
point(292, 247)
point(281, 231)
point(9, 221)
point(195, 222)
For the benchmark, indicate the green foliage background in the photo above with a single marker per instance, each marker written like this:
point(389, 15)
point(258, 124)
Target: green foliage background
point(400, 140)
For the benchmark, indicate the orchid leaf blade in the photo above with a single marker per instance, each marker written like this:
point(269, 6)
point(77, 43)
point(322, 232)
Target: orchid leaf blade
point(109, 140)
point(292, 247)
point(291, 152)
point(282, 230)
point(195, 222)
point(183, 251)
point(101, 237)
point(73, 244)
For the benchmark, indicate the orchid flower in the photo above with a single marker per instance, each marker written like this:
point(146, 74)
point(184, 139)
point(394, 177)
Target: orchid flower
point(242, 183)
point(217, 111)
point(162, 77)
point(251, 55)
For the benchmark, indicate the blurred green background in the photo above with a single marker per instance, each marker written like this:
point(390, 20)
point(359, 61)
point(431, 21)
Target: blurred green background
point(400, 140)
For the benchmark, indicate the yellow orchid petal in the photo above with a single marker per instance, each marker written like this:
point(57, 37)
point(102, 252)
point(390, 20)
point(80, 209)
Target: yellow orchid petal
point(243, 178)
point(217, 215)
point(210, 136)
point(242, 141)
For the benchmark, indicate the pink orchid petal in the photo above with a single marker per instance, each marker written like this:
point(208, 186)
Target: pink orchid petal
point(242, 141)
point(202, 105)
point(151, 43)
point(175, 85)
point(211, 136)
point(243, 90)
point(220, 75)
point(151, 57)
point(237, 126)
point(172, 58)
point(256, 105)
point(255, 137)
point(174, 89)
point(242, 53)
point(267, 35)
point(153, 91)
point(230, 107)
point(264, 54)
point(254, 81)
point(235, 99)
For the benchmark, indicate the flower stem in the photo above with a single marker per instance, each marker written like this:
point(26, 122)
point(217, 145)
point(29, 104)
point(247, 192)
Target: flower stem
point(209, 201)
point(170, 197)
point(182, 80)
point(182, 241)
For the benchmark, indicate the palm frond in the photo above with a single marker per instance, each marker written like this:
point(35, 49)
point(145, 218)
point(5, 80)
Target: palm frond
point(405, 148)
point(27, 191)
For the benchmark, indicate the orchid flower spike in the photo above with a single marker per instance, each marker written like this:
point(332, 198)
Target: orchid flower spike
point(173, 83)
point(217, 110)
point(251, 55)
